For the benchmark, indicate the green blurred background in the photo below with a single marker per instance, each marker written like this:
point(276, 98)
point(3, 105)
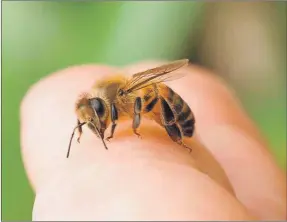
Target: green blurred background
point(245, 42)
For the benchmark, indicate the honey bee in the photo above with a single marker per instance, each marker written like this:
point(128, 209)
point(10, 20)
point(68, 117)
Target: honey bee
point(144, 94)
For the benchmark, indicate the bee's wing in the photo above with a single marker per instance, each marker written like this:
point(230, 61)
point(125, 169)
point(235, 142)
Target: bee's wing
point(159, 74)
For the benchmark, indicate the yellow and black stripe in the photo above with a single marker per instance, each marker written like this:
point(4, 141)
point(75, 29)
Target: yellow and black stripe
point(178, 118)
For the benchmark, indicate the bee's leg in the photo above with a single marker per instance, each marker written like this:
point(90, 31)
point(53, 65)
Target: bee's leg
point(80, 131)
point(181, 143)
point(114, 118)
point(137, 115)
point(168, 120)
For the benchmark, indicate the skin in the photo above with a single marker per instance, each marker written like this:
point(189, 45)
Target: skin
point(230, 174)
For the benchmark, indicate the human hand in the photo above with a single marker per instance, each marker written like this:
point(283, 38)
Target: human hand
point(150, 178)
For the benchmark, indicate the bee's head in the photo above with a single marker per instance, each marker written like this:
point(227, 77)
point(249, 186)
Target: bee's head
point(93, 111)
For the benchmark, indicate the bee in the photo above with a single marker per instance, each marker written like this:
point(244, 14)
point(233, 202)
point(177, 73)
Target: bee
point(144, 94)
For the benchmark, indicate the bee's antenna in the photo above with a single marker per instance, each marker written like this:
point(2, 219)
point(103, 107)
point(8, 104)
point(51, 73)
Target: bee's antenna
point(81, 124)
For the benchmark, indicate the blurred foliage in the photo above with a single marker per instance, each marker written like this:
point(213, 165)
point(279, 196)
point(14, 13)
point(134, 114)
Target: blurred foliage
point(245, 43)
point(42, 37)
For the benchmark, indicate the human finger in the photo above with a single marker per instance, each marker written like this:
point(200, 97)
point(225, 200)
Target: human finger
point(44, 149)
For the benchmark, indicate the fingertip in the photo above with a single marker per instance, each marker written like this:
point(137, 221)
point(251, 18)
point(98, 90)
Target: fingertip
point(47, 117)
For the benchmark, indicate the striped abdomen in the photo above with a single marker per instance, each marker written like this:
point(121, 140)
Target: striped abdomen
point(182, 113)
point(169, 110)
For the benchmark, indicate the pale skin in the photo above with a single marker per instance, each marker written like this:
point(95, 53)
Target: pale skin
point(150, 178)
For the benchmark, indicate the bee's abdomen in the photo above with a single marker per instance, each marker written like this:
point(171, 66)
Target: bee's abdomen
point(183, 114)
point(150, 99)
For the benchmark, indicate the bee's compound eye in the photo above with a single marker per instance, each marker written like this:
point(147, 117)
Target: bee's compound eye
point(98, 105)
